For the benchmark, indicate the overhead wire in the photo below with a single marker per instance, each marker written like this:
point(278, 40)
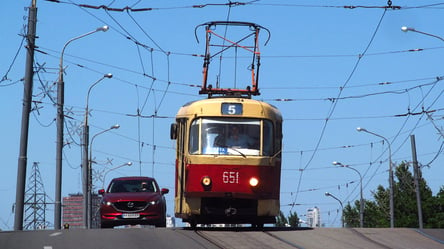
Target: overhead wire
point(333, 106)
point(330, 117)
point(5, 76)
point(402, 127)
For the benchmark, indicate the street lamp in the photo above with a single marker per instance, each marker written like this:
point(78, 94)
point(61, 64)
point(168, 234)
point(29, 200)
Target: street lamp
point(89, 202)
point(60, 120)
point(405, 29)
point(340, 203)
point(85, 171)
point(104, 175)
point(392, 210)
point(418, 193)
point(361, 201)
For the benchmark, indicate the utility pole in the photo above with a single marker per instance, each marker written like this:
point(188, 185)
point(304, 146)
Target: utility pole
point(416, 174)
point(26, 110)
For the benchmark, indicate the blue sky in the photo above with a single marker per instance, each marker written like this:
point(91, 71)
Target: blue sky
point(329, 69)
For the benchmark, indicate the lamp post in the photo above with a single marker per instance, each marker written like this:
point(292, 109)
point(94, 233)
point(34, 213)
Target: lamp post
point(85, 172)
point(406, 29)
point(104, 175)
point(60, 120)
point(392, 210)
point(361, 201)
point(412, 138)
point(340, 203)
point(89, 203)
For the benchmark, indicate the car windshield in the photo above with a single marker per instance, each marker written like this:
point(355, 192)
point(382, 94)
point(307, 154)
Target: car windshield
point(120, 186)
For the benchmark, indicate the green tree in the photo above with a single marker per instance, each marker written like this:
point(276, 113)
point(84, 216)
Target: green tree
point(377, 212)
point(351, 215)
point(437, 219)
point(406, 210)
point(406, 214)
point(281, 220)
point(382, 200)
point(293, 219)
point(375, 216)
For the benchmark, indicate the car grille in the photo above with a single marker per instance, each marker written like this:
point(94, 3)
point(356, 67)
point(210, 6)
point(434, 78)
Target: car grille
point(130, 206)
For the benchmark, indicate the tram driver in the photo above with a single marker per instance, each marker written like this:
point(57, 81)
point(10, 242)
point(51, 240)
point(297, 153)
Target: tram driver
point(238, 139)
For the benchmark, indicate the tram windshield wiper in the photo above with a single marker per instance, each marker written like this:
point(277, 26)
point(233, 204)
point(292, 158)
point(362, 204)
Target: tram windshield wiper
point(232, 148)
point(238, 151)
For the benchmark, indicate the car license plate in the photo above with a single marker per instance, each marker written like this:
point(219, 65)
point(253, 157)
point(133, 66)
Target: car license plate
point(130, 215)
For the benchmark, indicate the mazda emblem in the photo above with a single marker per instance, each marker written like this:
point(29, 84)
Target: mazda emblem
point(130, 204)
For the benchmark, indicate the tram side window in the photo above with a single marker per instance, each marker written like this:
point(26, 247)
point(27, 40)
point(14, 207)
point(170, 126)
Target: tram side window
point(193, 146)
point(268, 138)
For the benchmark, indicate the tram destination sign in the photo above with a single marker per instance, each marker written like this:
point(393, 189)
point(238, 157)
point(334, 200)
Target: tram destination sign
point(232, 109)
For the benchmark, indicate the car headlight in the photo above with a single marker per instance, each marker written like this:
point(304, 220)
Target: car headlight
point(106, 203)
point(154, 202)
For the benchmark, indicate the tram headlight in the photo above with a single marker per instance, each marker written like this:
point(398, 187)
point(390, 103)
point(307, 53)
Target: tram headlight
point(254, 181)
point(206, 181)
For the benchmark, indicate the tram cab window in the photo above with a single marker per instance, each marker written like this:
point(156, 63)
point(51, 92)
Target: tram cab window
point(194, 138)
point(229, 136)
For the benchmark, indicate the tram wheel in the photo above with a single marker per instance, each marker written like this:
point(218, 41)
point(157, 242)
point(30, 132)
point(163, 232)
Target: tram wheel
point(192, 223)
point(257, 225)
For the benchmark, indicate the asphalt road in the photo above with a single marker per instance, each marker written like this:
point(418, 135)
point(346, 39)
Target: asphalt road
point(210, 238)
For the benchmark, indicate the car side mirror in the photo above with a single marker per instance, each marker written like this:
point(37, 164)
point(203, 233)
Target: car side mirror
point(164, 191)
point(101, 192)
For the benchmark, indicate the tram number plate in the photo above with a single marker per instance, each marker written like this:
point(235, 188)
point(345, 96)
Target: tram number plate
point(230, 177)
point(232, 109)
point(130, 215)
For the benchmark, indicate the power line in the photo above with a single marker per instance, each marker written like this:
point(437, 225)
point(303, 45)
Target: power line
point(333, 106)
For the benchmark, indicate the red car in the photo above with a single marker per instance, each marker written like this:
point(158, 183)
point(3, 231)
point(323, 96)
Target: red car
point(131, 201)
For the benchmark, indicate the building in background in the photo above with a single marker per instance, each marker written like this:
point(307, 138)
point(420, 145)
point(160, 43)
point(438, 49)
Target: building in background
point(72, 216)
point(73, 211)
point(170, 221)
point(313, 217)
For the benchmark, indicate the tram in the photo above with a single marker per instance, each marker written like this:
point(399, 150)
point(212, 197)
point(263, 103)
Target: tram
point(228, 156)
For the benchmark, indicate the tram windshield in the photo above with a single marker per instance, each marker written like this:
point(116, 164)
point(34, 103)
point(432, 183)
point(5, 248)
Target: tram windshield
point(229, 136)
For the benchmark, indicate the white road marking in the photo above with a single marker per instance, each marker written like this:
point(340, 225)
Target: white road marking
point(55, 234)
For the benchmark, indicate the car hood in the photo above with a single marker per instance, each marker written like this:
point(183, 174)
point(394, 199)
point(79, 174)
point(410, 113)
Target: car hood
point(138, 196)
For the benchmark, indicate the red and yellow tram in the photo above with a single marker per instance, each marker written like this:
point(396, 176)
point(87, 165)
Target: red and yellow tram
point(218, 181)
point(228, 154)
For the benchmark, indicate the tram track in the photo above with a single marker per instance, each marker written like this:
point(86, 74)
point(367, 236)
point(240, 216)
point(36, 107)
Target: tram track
point(209, 239)
point(293, 245)
point(363, 236)
point(244, 238)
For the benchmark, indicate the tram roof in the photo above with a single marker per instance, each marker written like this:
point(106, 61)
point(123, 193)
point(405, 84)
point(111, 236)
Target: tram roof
point(212, 107)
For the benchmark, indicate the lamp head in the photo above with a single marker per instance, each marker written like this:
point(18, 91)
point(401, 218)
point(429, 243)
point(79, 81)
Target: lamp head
point(327, 194)
point(405, 29)
point(361, 129)
point(337, 163)
point(116, 126)
point(129, 163)
point(108, 75)
point(103, 28)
